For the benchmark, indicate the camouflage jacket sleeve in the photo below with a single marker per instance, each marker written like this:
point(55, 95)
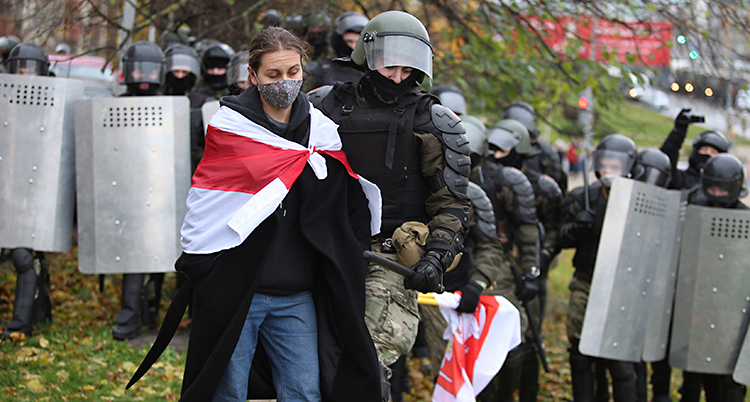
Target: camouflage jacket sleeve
point(442, 205)
point(548, 205)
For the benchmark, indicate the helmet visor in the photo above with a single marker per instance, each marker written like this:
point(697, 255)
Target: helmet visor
point(502, 138)
point(27, 67)
point(183, 62)
point(137, 72)
point(399, 49)
point(655, 176)
point(607, 161)
point(237, 73)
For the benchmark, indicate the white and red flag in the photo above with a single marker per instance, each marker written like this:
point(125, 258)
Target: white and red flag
point(245, 173)
point(477, 345)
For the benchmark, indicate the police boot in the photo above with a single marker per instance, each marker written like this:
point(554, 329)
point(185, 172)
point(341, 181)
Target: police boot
point(507, 380)
point(42, 303)
point(582, 376)
point(623, 381)
point(529, 375)
point(128, 322)
point(23, 306)
point(153, 299)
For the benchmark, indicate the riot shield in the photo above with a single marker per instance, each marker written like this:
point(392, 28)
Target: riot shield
point(742, 368)
point(133, 175)
point(208, 110)
point(37, 161)
point(660, 302)
point(712, 295)
point(633, 237)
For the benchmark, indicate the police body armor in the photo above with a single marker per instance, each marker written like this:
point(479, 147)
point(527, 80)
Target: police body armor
point(37, 161)
point(630, 277)
point(391, 161)
point(133, 175)
point(712, 299)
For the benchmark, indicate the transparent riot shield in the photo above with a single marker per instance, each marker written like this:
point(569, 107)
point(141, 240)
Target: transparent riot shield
point(208, 110)
point(133, 175)
point(712, 297)
point(37, 161)
point(640, 219)
point(664, 278)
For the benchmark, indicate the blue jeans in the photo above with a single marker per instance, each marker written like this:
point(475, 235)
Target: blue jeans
point(288, 329)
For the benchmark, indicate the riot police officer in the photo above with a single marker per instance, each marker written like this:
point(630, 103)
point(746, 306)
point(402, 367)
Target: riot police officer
point(705, 145)
point(183, 69)
point(270, 18)
point(451, 97)
point(144, 67)
point(415, 151)
point(514, 204)
point(32, 301)
point(722, 184)
point(7, 43)
point(213, 85)
point(543, 158)
point(295, 24)
point(317, 25)
point(346, 31)
point(584, 210)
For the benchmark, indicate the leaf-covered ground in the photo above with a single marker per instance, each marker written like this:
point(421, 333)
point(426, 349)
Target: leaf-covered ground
point(73, 358)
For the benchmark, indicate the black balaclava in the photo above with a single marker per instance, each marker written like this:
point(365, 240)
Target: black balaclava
point(377, 86)
point(513, 159)
point(179, 86)
point(135, 89)
point(215, 82)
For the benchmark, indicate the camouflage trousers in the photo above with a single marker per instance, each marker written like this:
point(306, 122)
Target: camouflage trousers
point(579, 298)
point(391, 313)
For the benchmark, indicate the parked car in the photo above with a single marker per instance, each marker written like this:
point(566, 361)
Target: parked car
point(96, 74)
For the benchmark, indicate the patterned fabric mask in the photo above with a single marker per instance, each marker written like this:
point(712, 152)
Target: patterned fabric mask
point(281, 94)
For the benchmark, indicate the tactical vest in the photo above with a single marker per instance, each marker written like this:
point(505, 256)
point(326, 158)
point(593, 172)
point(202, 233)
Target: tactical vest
point(370, 150)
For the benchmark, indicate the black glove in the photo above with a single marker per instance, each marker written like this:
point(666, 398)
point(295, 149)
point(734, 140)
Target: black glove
point(584, 222)
point(544, 260)
point(428, 274)
point(528, 288)
point(469, 297)
point(685, 118)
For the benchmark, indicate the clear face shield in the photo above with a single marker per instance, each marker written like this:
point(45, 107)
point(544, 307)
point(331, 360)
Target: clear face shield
point(137, 72)
point(26, 67)
point(721, 192)
point(398, 49)
point(453, 101)
point(184, 62)
point(655, 176)
point(237, 73)
point(610, 162)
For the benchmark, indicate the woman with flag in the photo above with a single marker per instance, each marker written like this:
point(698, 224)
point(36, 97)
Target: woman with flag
point(272, 248)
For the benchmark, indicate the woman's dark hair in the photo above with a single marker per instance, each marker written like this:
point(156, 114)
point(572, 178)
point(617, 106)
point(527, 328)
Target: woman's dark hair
point(272, 39)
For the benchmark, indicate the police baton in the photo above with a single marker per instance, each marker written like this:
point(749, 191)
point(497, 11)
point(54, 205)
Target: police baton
point(392, 266)
point(539, 346)
point(585, 185)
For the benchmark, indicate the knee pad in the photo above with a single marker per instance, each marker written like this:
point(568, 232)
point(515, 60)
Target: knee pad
point(23, 259)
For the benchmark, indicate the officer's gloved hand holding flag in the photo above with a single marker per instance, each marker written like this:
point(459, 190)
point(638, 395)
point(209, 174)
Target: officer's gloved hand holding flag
point(478, 343)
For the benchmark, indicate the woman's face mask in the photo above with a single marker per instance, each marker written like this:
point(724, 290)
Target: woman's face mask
point(280, 94)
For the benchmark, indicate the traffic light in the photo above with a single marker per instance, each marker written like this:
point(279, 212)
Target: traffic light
point(681, 39)
point(693, 54)
point(583, 102)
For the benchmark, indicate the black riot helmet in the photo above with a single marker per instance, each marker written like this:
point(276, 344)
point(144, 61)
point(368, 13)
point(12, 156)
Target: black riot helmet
point(723, 180)
point(525, 113)
point(144, 62)
point(349, 22)
point(295, 24)
point(712, 138)
point(6, 44)
point(614, 147)
point(271, 18)
point(652, 166)
point(215, 57)
point(183, 69)
point(28, 59)
point(451, 97)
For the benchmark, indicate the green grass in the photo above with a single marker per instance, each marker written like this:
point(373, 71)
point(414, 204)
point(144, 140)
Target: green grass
point(74, 358)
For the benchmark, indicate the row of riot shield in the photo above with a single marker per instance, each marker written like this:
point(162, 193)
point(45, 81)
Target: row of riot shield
point(670, 279)
point(123, 162)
